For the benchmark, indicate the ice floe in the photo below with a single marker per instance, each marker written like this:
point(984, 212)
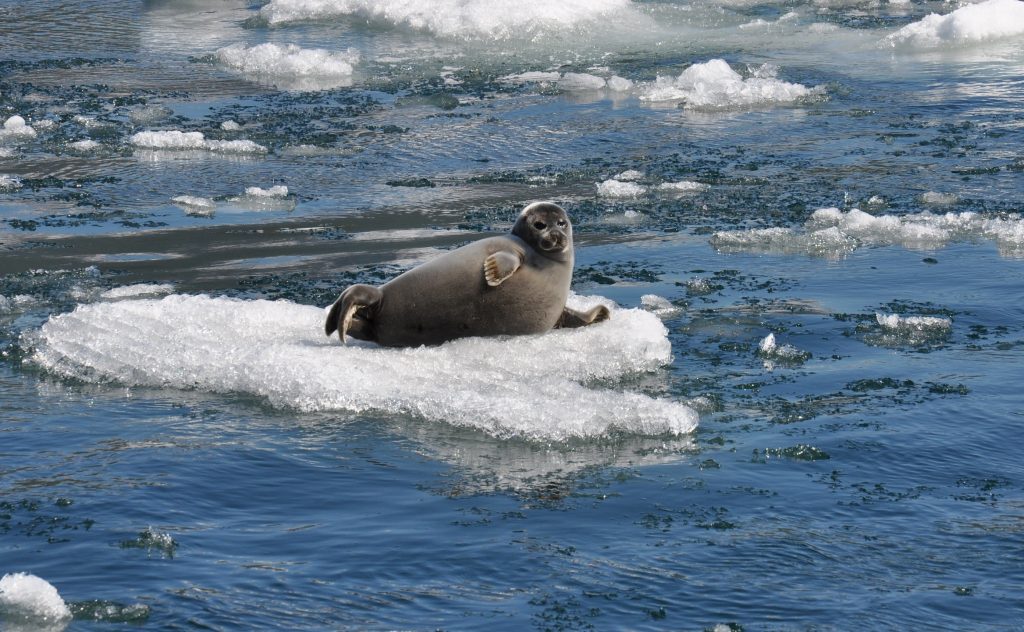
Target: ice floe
point(527, 386)
point(618, 189)
point(571, 81)
point(714, 85)
point(9, 182)
point(137, 290)
point(178, 140)
point(459, 19)
point(275, 198)
point(969, 25)
point(290, 66)
point(831, 232)
point(28, 603)
point(16, 129)
point(195, 205)
point(684, 186)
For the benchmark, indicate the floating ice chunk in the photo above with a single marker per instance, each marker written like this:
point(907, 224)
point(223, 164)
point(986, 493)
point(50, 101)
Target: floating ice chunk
point(16, 129)
point(770, 350)
point(149, 114)
point(86, 145)
point(683, 186)
point(616, 188)
point(715, 85)
point(916, 323)
point(534, 76)
point(195, 205)
point(832, 232)
point(178, 140)
point(230, 126)
point(28, 602)
point(619, 84)
point(173, 139)
point(968, 25)
point(258, 199)
point(461, 19)
point(576, 81)
point(939, 199)
point(528, 386)
point(235, 147)
point(137, 290)
point(288, 61)
point(276, 191)
point(630, 175)
point(659, 305)
point(9, 183)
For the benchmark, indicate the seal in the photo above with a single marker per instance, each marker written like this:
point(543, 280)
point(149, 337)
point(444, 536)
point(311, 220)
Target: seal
point(506, 285)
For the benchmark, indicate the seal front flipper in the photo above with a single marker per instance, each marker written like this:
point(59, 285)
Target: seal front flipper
point(500, 266)
point(571, 318)
point(354, 298)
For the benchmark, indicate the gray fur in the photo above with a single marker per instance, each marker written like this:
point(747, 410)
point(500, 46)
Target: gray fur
point(509, 285)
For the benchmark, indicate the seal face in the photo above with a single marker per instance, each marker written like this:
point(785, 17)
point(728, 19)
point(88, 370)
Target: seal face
point(508, 285)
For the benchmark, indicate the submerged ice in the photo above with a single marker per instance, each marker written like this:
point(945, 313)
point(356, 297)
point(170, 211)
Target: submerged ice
point(529, 386)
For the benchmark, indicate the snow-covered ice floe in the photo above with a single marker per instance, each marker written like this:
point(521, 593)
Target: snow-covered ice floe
point(528, 386)
point(969, 25)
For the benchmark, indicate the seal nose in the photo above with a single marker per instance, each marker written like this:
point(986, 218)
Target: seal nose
point(554, 240)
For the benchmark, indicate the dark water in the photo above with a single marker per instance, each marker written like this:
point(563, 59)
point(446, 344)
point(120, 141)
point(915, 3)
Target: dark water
point(858, 475)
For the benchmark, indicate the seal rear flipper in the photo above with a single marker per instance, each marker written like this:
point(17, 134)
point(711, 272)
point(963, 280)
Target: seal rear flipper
point(344, 309)
point(571, 318)
point(500, 266)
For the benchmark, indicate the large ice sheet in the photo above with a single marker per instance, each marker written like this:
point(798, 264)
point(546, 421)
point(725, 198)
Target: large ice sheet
point(529, 386)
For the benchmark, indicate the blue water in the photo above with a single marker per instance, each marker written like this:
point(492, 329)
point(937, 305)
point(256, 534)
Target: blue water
point(872, 480)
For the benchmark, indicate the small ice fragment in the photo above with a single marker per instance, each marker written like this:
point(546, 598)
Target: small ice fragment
point(939, 199)
point(684, 186)
point(714, 85)
point(768, 344)
point(575, 81)
point(9, 183)
point(278, 191)
point(175, 139)
point(230, 126)
point(619, 84)
point(195, 205)
point(615, 188)
point(659, 305)
point(15, 128)
point(84, 145)
point(138, 289)
point(29, 602)
point(631, 175)
point(916, 323)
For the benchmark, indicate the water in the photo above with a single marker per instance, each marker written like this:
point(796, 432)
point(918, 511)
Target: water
point(806, 215)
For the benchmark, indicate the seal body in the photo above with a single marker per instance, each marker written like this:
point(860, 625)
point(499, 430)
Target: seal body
point(506, 285)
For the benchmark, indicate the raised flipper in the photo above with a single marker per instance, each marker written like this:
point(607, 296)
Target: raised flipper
point(500, 266)
point(571, 319)
point(344, 309)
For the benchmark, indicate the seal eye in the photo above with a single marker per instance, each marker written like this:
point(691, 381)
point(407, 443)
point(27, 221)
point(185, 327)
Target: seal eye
point(561, 223)
point(540, 225)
